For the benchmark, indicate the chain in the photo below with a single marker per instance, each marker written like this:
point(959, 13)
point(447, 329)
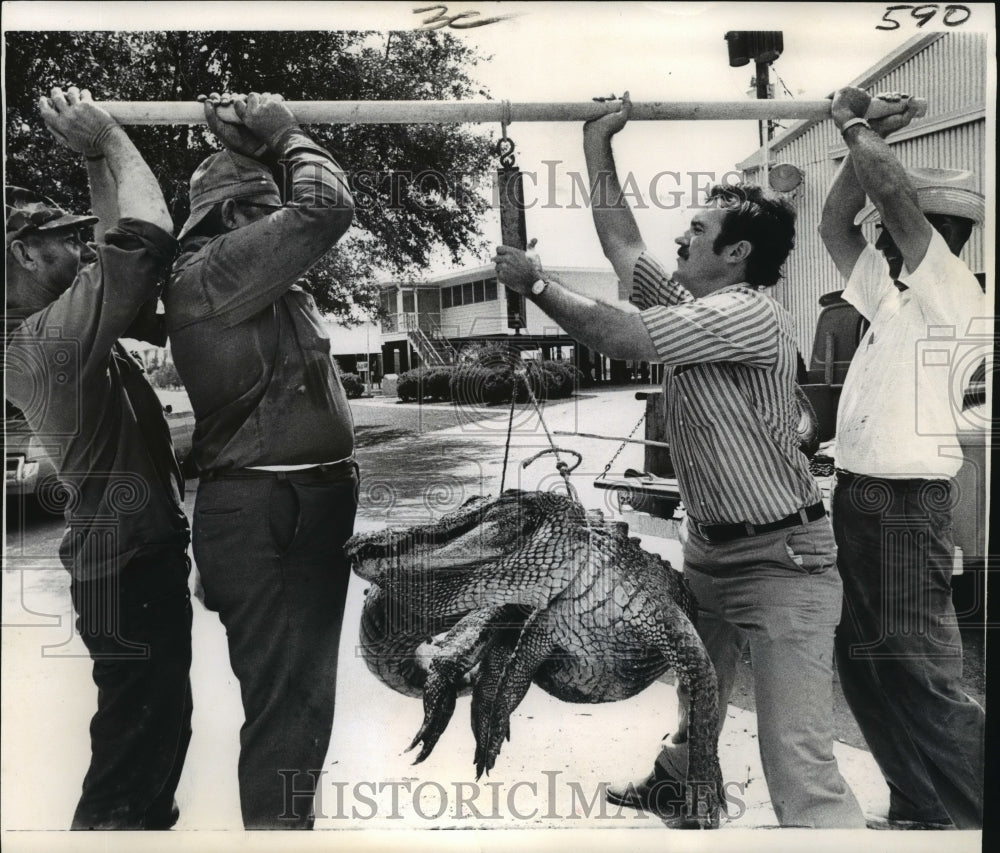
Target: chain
point(618, 452)
point(510, 429)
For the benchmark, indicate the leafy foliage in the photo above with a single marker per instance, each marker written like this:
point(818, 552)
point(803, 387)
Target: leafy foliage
point(165, 376)
point(353, 386)
point(399, 220)
point(475, 383)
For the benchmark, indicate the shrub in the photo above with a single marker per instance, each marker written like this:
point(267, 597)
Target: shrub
point(165, 376)
point(562, 378)
point(432, 383)
point(437, 383)
point(533, 375)
point(474, 383)
point(408, 386)
point(492, 354)
point(498, 386)
point(353, 386)
point(468, 384)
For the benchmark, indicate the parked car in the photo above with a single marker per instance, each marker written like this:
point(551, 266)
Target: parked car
point(29, 468)
point(27, 463)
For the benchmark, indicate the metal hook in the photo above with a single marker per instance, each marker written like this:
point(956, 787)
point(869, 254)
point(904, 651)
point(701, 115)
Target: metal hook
point(563, 468)
point(505, 145)
point(557, 450)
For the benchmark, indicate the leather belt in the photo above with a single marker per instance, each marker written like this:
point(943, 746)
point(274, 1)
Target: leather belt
point(326, 472)
point(743, 529)
point(846, 477)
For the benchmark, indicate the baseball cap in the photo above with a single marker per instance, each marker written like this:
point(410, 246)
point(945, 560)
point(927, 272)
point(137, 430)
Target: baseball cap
point(224, 175)
point(947, 191)
point(28, 212)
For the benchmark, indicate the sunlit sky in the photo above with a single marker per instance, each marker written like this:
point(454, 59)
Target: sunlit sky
point(574, 51)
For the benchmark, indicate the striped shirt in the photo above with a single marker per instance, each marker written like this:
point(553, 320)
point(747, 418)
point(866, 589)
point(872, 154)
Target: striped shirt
point(730, 398)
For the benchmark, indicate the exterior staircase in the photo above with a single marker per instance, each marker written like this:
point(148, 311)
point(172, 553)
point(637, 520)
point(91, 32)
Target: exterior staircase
point(434, 348)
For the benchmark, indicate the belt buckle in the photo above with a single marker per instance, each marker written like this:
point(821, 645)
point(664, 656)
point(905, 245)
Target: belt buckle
point(702, 530)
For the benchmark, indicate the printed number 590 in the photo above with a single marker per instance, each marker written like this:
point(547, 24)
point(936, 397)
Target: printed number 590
point(952, 16)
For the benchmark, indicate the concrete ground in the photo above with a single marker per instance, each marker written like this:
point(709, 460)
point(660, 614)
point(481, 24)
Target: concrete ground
point(545, 790)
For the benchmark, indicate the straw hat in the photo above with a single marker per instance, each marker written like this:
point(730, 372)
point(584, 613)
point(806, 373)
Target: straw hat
point(948, 191)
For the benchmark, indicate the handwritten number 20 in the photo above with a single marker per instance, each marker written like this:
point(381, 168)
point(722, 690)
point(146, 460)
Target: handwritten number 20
point(952, 17)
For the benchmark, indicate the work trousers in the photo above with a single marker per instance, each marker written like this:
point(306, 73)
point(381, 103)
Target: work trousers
point(136, 625)
point(270, 550)
point(780, 593)
point(899, 652)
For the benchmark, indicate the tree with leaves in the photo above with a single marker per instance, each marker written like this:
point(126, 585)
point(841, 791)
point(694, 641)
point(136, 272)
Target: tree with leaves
point(414, 184)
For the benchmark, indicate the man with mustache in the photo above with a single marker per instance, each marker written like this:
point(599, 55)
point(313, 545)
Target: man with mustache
point(760, 555)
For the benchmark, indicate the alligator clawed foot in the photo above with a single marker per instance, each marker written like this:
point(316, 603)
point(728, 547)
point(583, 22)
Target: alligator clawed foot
point(429, 742)
point(488, 749)
point(439, 705)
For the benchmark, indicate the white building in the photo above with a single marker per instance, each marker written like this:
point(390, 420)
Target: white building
point(950, 70)
point(431, 321)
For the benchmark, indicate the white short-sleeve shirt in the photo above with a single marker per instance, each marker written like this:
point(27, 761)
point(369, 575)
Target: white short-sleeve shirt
point(903, 392)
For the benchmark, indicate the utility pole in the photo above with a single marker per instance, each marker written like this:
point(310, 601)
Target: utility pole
point(762, 47)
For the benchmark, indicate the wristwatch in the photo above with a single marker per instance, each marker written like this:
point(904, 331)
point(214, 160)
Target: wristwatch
point(538, 288)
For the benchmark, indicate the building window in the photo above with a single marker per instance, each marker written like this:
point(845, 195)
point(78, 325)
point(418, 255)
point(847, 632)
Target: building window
point(387, 298)
point(409, 304)
point(472, 292)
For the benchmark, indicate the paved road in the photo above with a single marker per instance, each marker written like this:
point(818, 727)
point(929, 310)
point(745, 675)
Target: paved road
point(417, 462)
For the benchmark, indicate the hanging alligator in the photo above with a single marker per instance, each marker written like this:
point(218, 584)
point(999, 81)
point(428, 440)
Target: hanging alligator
point(529, 588)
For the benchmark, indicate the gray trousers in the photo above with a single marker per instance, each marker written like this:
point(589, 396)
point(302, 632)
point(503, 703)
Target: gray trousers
point(270, 548)
point(780, 593)
point(899, 650)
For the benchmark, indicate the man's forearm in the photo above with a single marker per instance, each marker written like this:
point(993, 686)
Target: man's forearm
point(103, 195)
point(888, 185)
point(616, 227)
point(606, 328)
point(845, 198)
point(313, 177)
point(842, 238)
point(138, 193)
point(878, 172)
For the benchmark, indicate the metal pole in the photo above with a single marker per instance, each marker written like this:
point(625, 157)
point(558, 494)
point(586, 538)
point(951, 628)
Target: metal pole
point(456, 112)
point(646, 441)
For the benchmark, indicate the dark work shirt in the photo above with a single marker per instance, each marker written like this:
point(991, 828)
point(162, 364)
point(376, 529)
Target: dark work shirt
point(90, 406)
point(249, 344)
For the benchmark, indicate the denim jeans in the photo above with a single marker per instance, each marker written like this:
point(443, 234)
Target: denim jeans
point(780, 594)
point(136, 625)
point(899, 652)
point(270, 550)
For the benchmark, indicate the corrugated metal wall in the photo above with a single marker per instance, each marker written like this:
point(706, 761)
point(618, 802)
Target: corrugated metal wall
point(950, 72)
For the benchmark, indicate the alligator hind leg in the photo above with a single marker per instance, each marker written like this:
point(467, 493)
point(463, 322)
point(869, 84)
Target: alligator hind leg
point(463, 647)
point(503, 681)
